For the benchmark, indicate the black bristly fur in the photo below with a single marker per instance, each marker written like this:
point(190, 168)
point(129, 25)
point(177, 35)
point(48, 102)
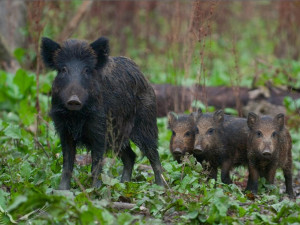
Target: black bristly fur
point(101, 48)
point(49, 48)
point(75, 50)
point(117, 104)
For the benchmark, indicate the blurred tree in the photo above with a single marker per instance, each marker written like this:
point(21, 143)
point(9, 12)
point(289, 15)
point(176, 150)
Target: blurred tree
point(287, 30)
point(13, 14)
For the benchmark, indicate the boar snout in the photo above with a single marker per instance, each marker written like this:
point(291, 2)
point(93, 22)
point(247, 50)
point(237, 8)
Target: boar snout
point(74, 103)
point(177, 151)
point(267, 152)
point(198, 150)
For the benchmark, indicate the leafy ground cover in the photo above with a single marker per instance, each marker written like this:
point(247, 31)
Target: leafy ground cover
point(31, 168)
point(30, 151)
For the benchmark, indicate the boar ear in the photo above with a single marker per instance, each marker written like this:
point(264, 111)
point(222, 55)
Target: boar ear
point(279, 120)
point(199, 111)
point(219, 116)
point(197, 114)
point(48, 49)
point(172, 117)
point(101, 48)
point(252, 119)
point(192, 117)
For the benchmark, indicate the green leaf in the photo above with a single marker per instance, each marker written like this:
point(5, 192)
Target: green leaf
point(198, 104)
point(3, 76)
point(23, 80)
point(17, 202)
point(192, 215)
point(25, 170)
point(19, 54)
point(27, 112)
point(108, 180)
point(231, 111)
point(13, 131)
point(125, 219)
point(3, 196)
point(5, 217)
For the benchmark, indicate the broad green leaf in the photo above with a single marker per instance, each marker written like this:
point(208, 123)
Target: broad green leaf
point(27, 112)
point(125, 219)
point(19, 54)
point(25, 170)
point(13, 131)
point(3, 196)
point(192, 215)
point(17, 202)
point(23, 80)
point(108, 180)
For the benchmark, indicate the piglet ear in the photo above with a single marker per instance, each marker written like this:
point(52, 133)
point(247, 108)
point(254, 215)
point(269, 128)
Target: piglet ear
point(219, 116)
point(199, 111)
point(279, 121)
point(172, 117)
point(101, 48)
point(197, 114)
point(48, 49)
point(192, 117)
point(252, 119)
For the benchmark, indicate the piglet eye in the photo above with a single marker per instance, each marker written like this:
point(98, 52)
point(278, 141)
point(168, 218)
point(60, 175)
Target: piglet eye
point(197, 130)
point(173, 133)
point(188, 133)
point(274, 134)
point(210, 131)
point(259, 134)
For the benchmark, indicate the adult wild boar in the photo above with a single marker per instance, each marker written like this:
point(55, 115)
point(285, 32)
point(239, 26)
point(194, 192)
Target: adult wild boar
point(100, 101)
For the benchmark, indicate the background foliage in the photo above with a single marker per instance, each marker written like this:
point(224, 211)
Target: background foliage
point(242, 43)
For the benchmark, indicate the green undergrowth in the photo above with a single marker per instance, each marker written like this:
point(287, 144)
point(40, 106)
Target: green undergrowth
point(31, 168)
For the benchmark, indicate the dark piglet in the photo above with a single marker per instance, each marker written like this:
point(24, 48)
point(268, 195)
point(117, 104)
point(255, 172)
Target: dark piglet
point(100, 102)
point(221, 140)
point(183, 134)
point(269, 148)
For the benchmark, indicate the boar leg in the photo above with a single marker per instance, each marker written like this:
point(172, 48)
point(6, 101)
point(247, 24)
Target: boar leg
point(69, 151)
point(225, 177)
point(287, 172)
point(213, 173)
point(156, 166)
point(252, 184)
point(97, 152)
point(271, 174)
point(152, 154)
point(128, 158)
point(148, 145)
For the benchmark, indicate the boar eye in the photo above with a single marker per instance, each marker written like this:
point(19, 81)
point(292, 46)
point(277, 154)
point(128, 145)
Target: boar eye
point(197, 130)
point(173, 133)
point(64, 70)
point(274, 134)
point(259, 134)
point(210, 131)
point(188, 133)
point(86, 70)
